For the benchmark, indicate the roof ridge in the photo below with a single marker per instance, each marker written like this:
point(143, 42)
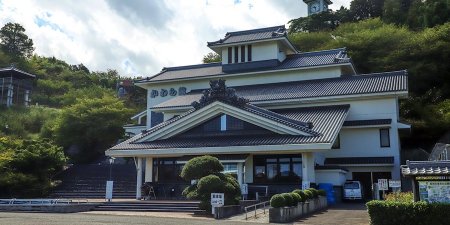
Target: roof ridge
point(194, 66)
point(319, 51)
point(263, 29)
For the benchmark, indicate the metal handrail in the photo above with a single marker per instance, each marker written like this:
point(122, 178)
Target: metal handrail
point(256, 207)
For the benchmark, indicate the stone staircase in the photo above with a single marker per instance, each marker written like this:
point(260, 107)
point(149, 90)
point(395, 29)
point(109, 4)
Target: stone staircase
point(89, 181)
point(151, 206)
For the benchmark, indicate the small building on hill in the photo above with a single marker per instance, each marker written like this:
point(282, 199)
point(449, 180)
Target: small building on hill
point(15, 86)
point(277, 118)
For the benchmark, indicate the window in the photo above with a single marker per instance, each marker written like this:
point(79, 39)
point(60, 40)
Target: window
point(384, 138)
point(277, 168)
point(236, 54)
point(223, 123)
point(230, 54)
point(249, 53)
point(337, 142)
point(167, 170)
point(243, 53)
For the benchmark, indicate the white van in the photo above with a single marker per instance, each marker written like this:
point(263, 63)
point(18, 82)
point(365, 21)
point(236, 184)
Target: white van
point(353, 190)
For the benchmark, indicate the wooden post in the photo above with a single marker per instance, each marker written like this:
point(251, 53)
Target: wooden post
point(415, 187)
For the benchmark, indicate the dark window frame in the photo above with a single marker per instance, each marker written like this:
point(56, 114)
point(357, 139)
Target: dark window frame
point(293, 159)
point(236, 54)
point(388, 138)
point(230, 55)
point(242, 53)
point(249, 53)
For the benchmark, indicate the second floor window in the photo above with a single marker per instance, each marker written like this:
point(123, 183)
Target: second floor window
point(236, 54)
point(249, 53)
point(230, 55)
point(384, 138)
point(243, 53)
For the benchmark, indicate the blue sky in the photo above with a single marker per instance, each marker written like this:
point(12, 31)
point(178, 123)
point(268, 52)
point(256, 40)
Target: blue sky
point(139, 37)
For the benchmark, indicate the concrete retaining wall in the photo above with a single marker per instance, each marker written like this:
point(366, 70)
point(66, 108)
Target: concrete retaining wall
point(227, 211)
point(288, 214)
point(69, 208)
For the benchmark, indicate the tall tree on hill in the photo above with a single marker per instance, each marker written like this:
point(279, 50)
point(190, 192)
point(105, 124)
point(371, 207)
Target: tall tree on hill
point(15, 42)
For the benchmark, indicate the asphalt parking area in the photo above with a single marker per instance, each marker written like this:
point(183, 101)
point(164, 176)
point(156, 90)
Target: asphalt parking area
point(341, 214)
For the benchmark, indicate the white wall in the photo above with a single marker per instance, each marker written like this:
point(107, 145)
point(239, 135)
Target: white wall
point(336, 177)
point(264, 51)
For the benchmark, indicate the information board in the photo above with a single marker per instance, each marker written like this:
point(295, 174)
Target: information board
point(434, 191)
point(109, 190)
point(395, 183)
point(382, 184)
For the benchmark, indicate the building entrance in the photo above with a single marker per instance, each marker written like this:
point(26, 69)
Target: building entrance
point(367, 180)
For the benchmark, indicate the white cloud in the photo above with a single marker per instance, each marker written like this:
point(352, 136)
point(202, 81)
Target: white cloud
point(140, 37)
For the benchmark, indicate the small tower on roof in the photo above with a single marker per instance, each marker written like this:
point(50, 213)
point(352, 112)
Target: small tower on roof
point(15, 86)
point(317, 6)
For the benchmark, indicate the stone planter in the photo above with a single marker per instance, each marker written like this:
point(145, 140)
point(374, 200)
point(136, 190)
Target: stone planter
point(289, 214)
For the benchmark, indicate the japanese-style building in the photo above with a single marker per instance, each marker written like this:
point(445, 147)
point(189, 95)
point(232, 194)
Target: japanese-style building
point(274, 116)
point(15, 86)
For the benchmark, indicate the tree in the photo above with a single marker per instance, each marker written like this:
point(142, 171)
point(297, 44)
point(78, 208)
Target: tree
point(206, 170)
point(90, 126)
point(27, 166)
point(212, 57)
point(15, 42)
point(365, 9)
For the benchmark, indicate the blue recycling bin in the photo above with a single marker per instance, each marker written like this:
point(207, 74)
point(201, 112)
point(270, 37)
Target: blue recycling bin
point(328, 187)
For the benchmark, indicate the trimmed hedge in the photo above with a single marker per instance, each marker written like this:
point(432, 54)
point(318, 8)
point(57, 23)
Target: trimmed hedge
point(277, 201)
point(301, 193)
point(296, 197)
point(289, 199)
point(411, 213)
point(322, 192)
point(309, 194)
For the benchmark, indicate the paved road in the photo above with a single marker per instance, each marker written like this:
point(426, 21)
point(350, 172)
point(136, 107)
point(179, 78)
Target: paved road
point(93, 219)
point(342, 214)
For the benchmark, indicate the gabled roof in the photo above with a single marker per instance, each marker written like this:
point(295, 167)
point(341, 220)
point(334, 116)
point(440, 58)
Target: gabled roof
point(16, 73)
point(214, 70)
point(267, 33)
point(388, 82)
point(327, 122)
point(433, 168)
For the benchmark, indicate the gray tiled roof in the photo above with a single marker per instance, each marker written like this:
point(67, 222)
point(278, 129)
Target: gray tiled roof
point(299, 60)
point(352, 123)
point(251, 35)
point(16, 73)
point(327, 121)
point(437, 168)
point(359, 160)
point(396, 81)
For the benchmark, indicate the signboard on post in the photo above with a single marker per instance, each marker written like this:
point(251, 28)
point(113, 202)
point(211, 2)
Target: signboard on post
point(217, 199)
point(382, 184)
point(395, 184)
point(109, 190)
point(244, 190)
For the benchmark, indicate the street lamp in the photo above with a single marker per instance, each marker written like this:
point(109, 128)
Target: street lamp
point(111, 161)
point(109, 183)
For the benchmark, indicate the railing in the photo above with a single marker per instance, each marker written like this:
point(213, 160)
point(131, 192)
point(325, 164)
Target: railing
point(255, 206)
point(14, 201)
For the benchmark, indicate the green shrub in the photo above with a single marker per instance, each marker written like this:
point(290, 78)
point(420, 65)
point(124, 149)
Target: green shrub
point(400, 197)
point(277, 201)
point(296, 197)
point(301, 193)
point(309, 194)
point(411, 213)
point(322, 192)
point(207, 170)
point(314, 192)
point(289, 199)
